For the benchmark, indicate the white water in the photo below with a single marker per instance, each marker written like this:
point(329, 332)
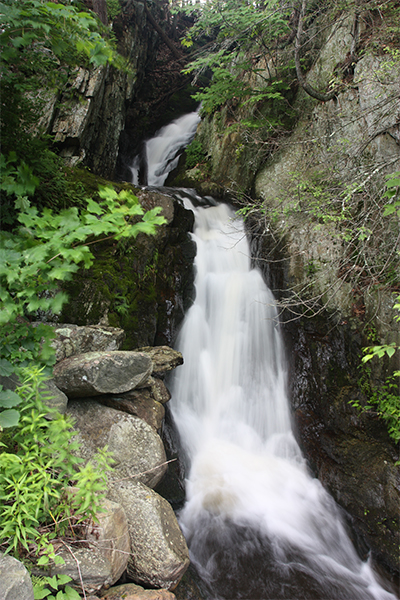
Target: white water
point(163, 150)
point(257, 524)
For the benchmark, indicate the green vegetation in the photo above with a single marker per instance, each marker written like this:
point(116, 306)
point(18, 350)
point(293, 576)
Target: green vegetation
point(235, 41)
point(194, 153)
point(113, 9)
point(50, 224)
point(41, 43)
point(35, 470)
point(47, 248)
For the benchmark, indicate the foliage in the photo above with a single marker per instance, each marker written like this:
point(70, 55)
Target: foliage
point(40, 44)
point(383, 399)
point(194, 153)
point(36, 470)
point(43, 588)
point(113, 9)
point(35, 30)
point(243, 39)
point(47, 249)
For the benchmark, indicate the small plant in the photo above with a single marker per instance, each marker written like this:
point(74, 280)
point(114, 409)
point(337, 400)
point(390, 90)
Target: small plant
point(54, 588)
point(36, 469)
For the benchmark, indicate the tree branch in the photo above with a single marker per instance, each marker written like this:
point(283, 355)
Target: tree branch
point(161, 32)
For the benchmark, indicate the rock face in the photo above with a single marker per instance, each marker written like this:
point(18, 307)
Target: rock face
point(159, 553)
point(95, 373)
point(15, 582)
point(100, 95)
point(351, 453)
point(144, 288)
point(137, 450)
point(352, 139)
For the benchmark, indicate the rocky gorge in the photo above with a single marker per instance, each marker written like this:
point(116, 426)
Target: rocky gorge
point(127, 308)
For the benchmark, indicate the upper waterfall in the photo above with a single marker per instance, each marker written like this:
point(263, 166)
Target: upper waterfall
point(161, 153)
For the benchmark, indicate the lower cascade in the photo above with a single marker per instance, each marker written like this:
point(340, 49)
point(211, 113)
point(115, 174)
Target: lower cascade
point(257, 524)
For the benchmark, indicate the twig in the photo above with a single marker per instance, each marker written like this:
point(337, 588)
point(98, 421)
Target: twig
point(78, 567)
point(144, 472)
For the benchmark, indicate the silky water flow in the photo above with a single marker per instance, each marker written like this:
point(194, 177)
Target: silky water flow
point(257, 524)
point(161, 153)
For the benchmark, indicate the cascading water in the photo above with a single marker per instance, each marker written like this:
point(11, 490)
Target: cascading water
point(163, 150)
point(257, 524)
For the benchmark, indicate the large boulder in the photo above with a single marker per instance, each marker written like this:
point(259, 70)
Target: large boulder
point(96, 373)
point(160, 555)
point(102, 563)
point(139, 403)
point(15, 583)
point(73, 339)
point(164, 358)
point(137, 450)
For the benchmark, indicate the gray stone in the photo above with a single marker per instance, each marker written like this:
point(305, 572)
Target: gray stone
point(137, 450)
point(138, 403)
point(160, 555)
point(106, 558)
point(96, 373)
point(159, 390)
point(15, 583)
point(131, 591)
point(164, 358)
point(75, 339)
point(53, 397)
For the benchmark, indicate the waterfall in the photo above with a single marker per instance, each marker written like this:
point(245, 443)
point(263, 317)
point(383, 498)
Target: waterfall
point(257, 524)
point(163, 150)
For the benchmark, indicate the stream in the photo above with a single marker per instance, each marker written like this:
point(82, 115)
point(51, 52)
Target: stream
point(257, 524)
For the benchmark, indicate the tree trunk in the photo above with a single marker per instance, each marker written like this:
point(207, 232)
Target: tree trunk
point(306, 87)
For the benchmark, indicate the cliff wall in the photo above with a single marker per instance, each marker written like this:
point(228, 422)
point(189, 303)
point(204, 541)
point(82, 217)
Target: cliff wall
point(313, 200)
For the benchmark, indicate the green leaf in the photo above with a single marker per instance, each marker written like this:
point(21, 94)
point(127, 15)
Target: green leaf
point(9, 418)
point(71, 594)
point(6, 368)
point(39, 592)
point(8, 399)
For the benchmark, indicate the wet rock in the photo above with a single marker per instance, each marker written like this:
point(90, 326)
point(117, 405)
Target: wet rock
point(160, 555)
point(96, 373)
point(15, 582)
point(137, 450)
point(75, 339)
point(350, 452)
